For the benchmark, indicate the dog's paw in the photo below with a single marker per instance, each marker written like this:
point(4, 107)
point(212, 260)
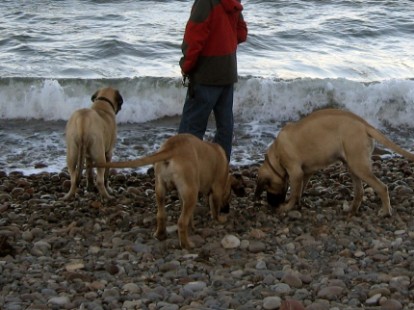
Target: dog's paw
point(280, 213)
point(160, 235)
point(107, 197)
point(283, 209)
point(222, 219)
point(68, 196)
point(187, 244)
point(385, 213)
point(350, 214)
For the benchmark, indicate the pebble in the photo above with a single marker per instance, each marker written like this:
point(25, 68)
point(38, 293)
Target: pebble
point(41, 248)
point(330, 292)
point(273, 302)
point(59, 301)
point(292, 280)
point(75, 265)
point(281, 288)
point(373, 300)
point(195, 286)
point(291, 304)
point(131, 288)
point(256, 246)
point(391, 304)
point(230, 242)
point(93, 254)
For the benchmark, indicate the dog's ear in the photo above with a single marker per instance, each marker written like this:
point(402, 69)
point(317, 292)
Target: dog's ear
point(119, 98)
point(94, 96)
point(238, 185)
point(275, 200)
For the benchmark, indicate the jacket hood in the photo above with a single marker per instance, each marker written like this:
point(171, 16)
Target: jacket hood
point(232, 6)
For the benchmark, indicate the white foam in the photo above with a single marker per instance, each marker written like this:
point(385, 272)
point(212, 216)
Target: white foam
point(263, 100)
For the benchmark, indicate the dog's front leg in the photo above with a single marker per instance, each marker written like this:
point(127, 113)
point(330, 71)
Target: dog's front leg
point(296, 186)
point(305, 182)
point(215, 203)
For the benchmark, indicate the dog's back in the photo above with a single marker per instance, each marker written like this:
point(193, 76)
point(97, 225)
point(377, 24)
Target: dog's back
point(202, 162)
point(336, 133)
point(324, 137)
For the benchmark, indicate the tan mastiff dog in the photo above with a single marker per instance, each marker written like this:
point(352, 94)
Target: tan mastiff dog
point(316, 141)
point(191, 166)
point(91, 136)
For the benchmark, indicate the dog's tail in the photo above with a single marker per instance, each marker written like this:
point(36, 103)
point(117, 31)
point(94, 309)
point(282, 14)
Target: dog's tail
point(377, 135)
point(162, 155)
point(79, 164)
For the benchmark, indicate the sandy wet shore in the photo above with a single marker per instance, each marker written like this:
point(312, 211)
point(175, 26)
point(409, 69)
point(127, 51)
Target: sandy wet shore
point(86, 254)
point(34, 146)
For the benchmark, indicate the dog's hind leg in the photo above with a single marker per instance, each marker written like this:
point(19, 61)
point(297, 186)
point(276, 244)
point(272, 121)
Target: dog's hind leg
point(364, 172)
point(89, 175)
point(189, 196)
point(71, 160)
point(100, 174)
point(358, 194)
point(160, 192)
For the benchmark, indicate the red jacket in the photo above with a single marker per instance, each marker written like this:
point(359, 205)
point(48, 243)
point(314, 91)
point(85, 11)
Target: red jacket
point(210, 41)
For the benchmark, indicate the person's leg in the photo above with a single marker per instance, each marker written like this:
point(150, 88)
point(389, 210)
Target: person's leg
point(197, 109)
point(223, 112)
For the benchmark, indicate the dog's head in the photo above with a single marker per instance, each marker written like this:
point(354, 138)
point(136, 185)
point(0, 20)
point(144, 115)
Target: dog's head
point(111, 96)
point(236, 184)
point(275, 185)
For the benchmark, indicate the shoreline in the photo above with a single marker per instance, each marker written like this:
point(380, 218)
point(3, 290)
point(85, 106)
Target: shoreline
point(87, 254)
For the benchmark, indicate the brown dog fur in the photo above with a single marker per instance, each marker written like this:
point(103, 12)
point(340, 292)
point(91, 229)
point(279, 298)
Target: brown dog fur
point(91, 135)
point(191, 166)
point(313, 143)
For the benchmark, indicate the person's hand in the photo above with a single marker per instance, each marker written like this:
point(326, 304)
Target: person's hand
point(185, 79)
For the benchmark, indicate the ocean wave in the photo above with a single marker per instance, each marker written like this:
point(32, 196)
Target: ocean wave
point(256, 99)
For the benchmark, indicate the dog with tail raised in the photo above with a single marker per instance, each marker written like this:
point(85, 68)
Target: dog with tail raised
point(192, 167)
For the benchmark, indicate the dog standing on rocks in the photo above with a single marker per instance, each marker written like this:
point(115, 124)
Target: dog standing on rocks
point(191, 166)
point(313, 143)
point(90, 136)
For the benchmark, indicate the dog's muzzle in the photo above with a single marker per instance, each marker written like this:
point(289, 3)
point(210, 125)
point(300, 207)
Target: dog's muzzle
point(275, 200)
point(225, 209)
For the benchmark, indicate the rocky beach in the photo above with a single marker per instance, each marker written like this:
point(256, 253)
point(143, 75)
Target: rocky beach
point(88, 254)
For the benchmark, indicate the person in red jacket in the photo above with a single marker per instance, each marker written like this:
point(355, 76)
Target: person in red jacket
point(209, 61)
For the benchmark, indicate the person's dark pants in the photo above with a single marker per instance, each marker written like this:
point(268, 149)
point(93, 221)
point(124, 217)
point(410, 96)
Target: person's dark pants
point(201, 100)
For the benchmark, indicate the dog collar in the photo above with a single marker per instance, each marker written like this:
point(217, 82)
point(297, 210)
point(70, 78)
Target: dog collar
point(273, 168)
point(108, 101)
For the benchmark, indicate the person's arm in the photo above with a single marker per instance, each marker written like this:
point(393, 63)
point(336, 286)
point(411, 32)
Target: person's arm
point(241, 30)
point(196, 34)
